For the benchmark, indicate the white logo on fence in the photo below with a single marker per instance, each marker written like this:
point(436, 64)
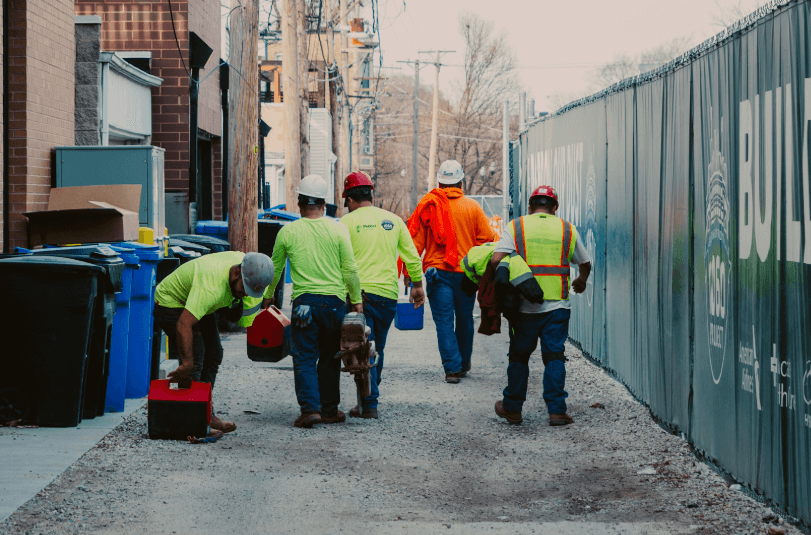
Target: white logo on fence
point(718, 266)
point(591, 225)
point(807, 383)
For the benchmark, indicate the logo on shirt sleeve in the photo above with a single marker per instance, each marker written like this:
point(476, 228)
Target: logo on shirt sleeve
point(387, 224)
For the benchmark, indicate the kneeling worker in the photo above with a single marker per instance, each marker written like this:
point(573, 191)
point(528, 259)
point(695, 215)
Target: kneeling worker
point(549, 246)
point(378, 237)
point(185, 303)
point(323, 270)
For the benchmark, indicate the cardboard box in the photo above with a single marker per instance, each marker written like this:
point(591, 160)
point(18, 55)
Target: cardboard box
point(87, 214)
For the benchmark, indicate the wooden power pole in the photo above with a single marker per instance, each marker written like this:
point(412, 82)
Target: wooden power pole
point(243, 127)
point(434, 121)
point(304, 87)
point(292, 109)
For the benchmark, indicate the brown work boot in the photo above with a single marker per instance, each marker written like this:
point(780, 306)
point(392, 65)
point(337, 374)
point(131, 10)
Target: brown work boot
point(368, 413)
point(560, 419)
point(308, 419)
point(339, 418)
point(452, 378)
point(512, 417)
point(221, 425)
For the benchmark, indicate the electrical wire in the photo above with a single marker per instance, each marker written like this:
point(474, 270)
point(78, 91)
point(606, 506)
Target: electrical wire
point(174, 31)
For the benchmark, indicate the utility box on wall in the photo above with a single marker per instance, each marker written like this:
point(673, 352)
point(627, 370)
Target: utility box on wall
point(122, 164)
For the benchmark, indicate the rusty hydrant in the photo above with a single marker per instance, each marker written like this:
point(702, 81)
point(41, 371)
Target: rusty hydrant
point(357, 354)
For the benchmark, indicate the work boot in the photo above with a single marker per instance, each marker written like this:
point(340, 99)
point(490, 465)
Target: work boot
point(308, 419)
point(367, 413)
point(560, 419)
point(512, 417)
point(221, 425)
point(452, 378)
point(464, 372)
point(339, 418)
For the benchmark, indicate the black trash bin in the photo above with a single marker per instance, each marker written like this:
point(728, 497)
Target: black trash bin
point(101, 332)
point(190, 247)
point(268, 230)
point(182, 254)
point(216, 245)
point(49, 303)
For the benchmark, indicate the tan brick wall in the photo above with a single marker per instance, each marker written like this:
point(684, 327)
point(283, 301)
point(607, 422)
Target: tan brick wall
point(41, 86)
point(146, 25)
point(204, 20)
point(216, 162)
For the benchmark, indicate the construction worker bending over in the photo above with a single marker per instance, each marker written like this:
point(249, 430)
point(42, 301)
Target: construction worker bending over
point(185, 303)
point(378, 237)
point(549, 246)
point(323, 270)
point(446, 225)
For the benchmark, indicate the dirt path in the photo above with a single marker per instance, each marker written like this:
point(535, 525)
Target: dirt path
point(438, 461)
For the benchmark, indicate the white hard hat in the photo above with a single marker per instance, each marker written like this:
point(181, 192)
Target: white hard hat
point(313, 186)
point(450, 172)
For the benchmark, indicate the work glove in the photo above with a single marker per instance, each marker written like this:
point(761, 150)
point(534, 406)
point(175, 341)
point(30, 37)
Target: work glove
point(302, 316)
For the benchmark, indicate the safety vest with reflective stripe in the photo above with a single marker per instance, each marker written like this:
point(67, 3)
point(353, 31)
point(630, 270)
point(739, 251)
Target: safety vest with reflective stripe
point(475, 263)
point(251, 306)
point(547, 244)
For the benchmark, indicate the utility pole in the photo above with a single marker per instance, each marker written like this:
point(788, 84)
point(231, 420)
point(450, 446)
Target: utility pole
point(505, 166)
point(292, 110)
point(414, 182)
point(334, 109)
point(304, 86)
point(347, 90)
point(243, 132)
point(434, 120)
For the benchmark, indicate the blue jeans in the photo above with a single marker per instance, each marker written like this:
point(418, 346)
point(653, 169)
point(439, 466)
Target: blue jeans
point(553, 329)
point(379, 312)
point(317, 374)
point(447, 299)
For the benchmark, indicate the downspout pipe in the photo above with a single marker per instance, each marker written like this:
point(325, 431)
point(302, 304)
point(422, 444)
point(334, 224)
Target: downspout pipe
point(6, 150)
point(225, 128)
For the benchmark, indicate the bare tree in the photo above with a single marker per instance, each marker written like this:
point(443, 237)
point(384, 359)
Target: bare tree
point(729, 15)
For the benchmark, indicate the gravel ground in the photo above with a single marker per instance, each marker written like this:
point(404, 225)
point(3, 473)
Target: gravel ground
point(438, 461)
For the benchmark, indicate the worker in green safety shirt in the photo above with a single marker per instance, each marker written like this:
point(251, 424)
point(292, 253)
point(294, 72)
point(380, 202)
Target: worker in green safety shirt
point(549, 246)
point(378, 238)
point(323, 269)
point(185, 303)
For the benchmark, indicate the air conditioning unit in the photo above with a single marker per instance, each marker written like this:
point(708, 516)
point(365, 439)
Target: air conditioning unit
point(367, 162)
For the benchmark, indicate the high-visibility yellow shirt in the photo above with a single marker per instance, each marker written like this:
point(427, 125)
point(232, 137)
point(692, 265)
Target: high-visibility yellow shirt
point(378, 237)
point(201, 285)
point(321, 259)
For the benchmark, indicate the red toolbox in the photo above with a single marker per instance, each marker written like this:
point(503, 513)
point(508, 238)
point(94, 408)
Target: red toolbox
point(178, 413)
point(269, 336)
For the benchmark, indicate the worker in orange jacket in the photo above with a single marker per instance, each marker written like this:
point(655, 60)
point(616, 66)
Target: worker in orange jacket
point(445, 225)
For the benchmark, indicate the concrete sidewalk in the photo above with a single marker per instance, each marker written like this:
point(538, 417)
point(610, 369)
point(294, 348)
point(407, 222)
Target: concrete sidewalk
point(32, 458)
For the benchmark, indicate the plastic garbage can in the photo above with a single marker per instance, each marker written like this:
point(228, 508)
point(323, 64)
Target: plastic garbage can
point(183, 255)
point(268, 230)
point(45, 338)
point(139, 361)
point(215, 243)
point(119, 349)
point(189, 246)
point(98, 363)
point(216, 229)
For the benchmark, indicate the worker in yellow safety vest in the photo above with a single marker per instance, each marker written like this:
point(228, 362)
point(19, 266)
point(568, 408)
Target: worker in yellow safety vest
point(550, 246)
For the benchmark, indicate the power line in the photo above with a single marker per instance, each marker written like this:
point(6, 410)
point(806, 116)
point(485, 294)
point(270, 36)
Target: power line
point(174, 31)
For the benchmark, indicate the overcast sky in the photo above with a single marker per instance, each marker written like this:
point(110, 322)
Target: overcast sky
point(556, 43)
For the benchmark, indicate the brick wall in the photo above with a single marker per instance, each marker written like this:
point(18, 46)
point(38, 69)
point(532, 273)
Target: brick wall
point(216, 171)
point(146, 25)
point(41, 107)
point(204, 20)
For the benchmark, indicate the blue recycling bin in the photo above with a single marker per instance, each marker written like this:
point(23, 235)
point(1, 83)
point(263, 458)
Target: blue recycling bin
point(217, 229)
point(119, 350)
point(139, 359)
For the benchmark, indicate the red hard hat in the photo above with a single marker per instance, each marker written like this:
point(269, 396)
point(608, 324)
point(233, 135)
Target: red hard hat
point(545, 191)
point(355, 180)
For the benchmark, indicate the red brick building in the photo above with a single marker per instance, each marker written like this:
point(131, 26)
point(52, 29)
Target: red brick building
point(146, 25)
point(40, 92)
